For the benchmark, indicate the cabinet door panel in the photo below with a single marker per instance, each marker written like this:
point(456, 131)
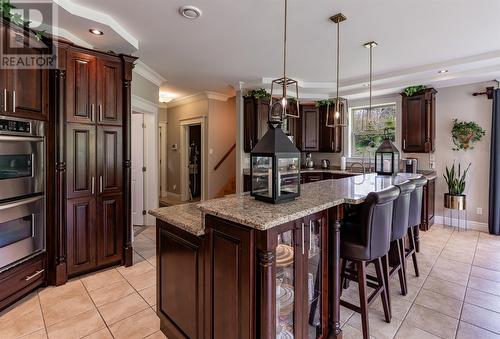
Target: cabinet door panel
point(310, 129)
point(80, 154)
point(29, 93)
point(80, 88)
point(80, 235)
point(110, 229)
point(110, 159)
point(414, 133)
point(109, 93)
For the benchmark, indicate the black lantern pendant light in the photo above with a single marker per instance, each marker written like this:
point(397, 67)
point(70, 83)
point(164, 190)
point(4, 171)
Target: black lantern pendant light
point(281, 107)
point(387, 158)
point(336, 113)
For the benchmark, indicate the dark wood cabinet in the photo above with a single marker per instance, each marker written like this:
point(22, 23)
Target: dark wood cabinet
point(255, 117)
point(330, 139)
point(110, 159)
point(81, 87)
point(109, 229)
point(429, 205)
point(81, 165)
point(419, 122)
point(310, 128)
point(109, 99)
point(81, 234)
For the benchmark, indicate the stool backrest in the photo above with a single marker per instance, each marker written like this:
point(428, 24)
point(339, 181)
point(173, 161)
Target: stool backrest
point(376, 218)
point(401, 211)
point(415, 217)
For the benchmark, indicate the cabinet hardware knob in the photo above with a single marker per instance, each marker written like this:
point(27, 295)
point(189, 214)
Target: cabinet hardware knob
point(303, 239)
point(100, 184)
point(5, 99)
point(37, 273)
point(14, 101)
point(93, 185)
point(100, 112)
point(92, 112)
point(310, 234)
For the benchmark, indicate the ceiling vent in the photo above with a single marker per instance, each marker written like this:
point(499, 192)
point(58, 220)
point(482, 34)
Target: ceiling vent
point(190, 12)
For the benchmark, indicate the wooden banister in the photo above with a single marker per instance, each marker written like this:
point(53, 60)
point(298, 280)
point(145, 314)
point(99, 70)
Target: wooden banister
point(224, 157)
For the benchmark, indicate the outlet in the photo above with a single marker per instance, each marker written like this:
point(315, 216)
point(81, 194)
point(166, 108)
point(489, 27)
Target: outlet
point(479, 211)
point(432, 165)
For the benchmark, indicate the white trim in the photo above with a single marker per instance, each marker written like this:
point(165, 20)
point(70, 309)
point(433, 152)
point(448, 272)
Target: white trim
point(163, 148)
point(471, 224)
point(183, 148)
point(148, 73)
point(142, 104)
point(105, 19)
point(197, 97)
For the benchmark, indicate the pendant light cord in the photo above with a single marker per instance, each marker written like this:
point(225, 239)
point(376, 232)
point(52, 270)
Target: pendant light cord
point(338, 65)
point(284, 50)
point(371, 80)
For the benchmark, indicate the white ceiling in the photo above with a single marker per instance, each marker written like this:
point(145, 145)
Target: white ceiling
point(241, 40)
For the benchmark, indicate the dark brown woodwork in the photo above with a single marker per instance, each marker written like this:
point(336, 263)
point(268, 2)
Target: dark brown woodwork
point(429, 205)
point(335, 215)
point(22, 279)
point(255, 117)
point(81, 235)
point(109, 92)
point(109, 229)
point(81, 88)
point(180, 277)
point(110, 159)
point(330, 139)
point(81, 178)
point(310, 128)
point(419, 122)
point(224, 157)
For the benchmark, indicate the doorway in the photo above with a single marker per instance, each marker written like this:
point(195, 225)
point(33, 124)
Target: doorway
point(194, 162)
point(137, 180)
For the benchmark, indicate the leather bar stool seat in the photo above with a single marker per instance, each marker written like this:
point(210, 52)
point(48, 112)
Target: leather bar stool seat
point(366, 239)
point(414, 220)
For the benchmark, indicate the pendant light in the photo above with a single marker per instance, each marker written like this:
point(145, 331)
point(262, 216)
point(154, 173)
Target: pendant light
point(284, 106)
point(337, 116)
point(370, 45)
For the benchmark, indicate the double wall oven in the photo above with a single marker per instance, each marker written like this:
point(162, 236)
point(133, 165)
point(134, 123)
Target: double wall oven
point(22, 190)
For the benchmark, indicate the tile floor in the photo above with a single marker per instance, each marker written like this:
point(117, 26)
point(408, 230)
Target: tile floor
point(456, 296)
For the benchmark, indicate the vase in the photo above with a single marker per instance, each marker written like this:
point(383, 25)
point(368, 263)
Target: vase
point(455, 201)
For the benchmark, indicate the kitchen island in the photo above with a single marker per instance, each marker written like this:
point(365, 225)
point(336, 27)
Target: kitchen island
point(257, 270)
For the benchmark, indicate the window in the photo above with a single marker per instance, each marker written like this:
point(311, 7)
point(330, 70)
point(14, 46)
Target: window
point(369, 129)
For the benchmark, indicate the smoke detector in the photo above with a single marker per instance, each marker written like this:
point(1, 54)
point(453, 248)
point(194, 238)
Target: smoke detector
point(190, 12)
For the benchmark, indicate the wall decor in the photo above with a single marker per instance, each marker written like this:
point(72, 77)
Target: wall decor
point(465, 134)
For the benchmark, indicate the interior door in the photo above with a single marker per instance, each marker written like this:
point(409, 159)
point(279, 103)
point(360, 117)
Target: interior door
point(80, 88)
point(137, 181)
point(109, 102)
point(80, 155)
point(110, 159)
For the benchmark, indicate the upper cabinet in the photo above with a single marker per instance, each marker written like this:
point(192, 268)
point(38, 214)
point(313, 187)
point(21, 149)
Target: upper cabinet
point(109, 99)
point(419, 122)
point(24, 90)
point(330, 139)
point(310, 128)
point(255, 117)
point(81, 87)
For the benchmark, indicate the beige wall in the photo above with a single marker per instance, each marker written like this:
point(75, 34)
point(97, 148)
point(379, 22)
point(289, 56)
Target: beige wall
point(144, 88)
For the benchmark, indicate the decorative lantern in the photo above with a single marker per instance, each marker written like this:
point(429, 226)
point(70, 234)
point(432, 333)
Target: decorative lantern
point(275, 168)
point(387, 158)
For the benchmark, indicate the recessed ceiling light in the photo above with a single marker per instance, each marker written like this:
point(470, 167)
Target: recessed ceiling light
point(95, 31)
point(442, 71)
point(190, 12)
point(366, 85)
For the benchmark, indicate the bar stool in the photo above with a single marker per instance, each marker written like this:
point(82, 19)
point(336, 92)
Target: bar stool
point(365, 239)
point(399, 230)
point(414, 220)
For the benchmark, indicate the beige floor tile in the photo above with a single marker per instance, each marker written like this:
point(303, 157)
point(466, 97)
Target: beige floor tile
point(136, 258)
point(445, 287)
point(483, 299)
point(407, 331)
point(468, 331)
point(377, 325)
point(77, 327)
point(122, 308)
point(157, 335)
point(450, 275)
point(137, 269)
point(55, 294)
point(345, 314)
point(101, 279)
point(458, 267)
point(101, 334)
point(399, 306)
point(40, 334)
point(139, 325)
point(440, 303)
point(486, 262)
point(22, 318)
point(149, 294)
point(111, 292)
point(481, 317)
point(432, 321)
point(485, 285)
point(458, 255)
point(485, 273)
point(349, 332)
point(395, 290)
point(142, 281)
point(66, 308)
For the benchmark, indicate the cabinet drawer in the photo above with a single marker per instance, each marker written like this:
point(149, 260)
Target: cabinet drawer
point(21, 279)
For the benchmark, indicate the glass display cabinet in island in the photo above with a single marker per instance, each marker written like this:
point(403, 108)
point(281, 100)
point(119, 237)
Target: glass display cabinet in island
point(275, 168)
point(387, 158)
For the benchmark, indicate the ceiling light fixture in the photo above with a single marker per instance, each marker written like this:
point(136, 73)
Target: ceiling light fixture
point(190, 12)
point(95, 31)
point(442, 71)
point(336, 116)
point(370, 45)
point(284, 107)
point(366, 85)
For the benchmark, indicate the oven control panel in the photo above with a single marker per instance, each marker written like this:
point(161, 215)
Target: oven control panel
point(15, 126)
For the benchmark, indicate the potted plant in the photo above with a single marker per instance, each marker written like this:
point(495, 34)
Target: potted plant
point(412, 90)
point(260, 93)
point(465, 134)
point(455, 198)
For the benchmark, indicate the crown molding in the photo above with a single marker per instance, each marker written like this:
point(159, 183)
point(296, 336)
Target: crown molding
point(144, 106)
point(148, 73)
point(207, 95)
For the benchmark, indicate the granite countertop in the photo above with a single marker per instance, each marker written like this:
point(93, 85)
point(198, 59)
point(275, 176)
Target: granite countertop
point(187, 217)
point(314, 197)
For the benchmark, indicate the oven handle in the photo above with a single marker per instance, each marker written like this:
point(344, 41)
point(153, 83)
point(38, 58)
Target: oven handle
point(21, 202)
point(37, 273)
point(16, 138)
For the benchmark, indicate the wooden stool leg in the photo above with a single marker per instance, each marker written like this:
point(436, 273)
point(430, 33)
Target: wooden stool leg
point(414, 254)
point(401, 271)
point(382, 282)
point(416, 237)
point(385, 271)
point(363, 299)
point(344, 281)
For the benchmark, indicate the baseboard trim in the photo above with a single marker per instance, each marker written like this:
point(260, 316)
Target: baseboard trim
point(172, 195)
point(471, 224)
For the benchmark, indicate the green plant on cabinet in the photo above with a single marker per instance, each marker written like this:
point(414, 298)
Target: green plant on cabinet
point(465, 134)
point(412, 90)
point(260, 93)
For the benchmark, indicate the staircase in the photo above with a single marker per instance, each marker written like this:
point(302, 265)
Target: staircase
point(228, 188)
